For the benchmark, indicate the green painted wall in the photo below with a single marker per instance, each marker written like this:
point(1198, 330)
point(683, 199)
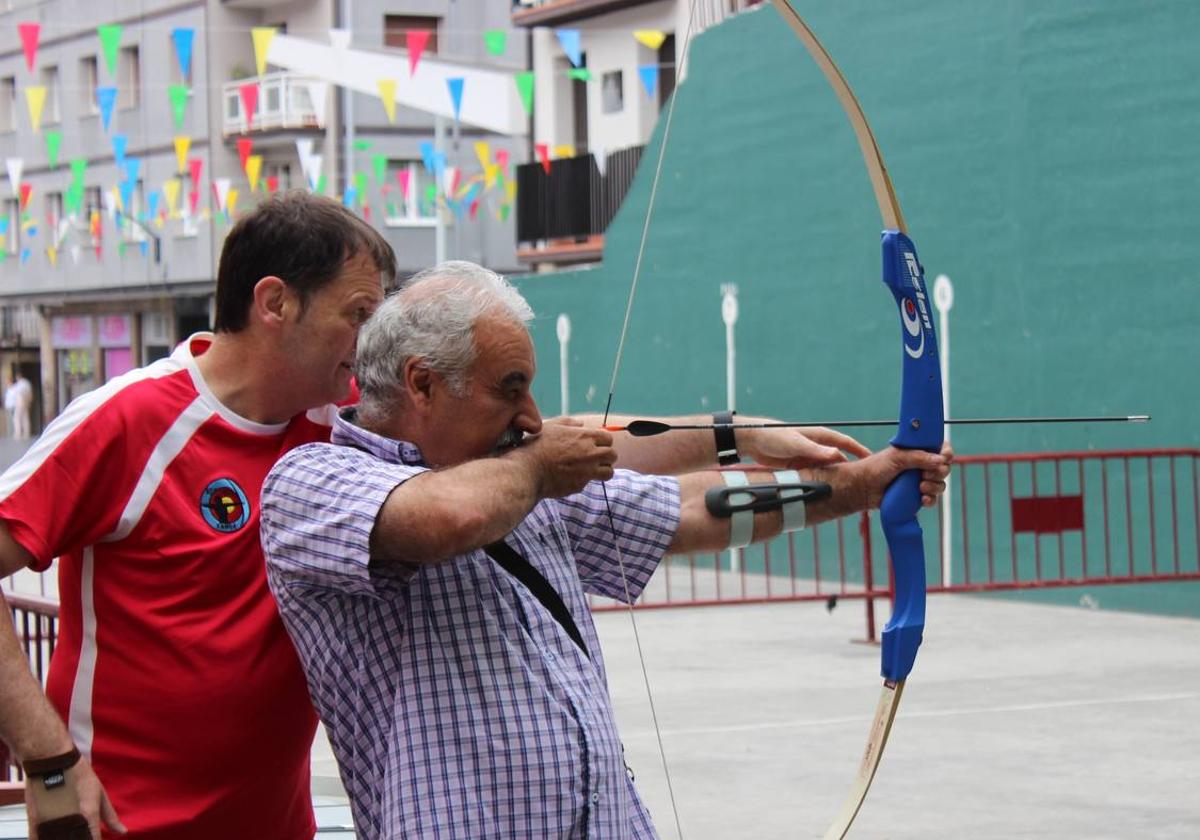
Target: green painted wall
point(1046, 158)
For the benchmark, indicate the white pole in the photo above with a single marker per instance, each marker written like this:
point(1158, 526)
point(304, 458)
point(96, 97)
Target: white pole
point(439, 229)
point(729, 314)
point(943, 299)
point(563, 329)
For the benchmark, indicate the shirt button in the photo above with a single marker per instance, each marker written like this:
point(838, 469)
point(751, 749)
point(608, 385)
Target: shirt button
point(595, 799)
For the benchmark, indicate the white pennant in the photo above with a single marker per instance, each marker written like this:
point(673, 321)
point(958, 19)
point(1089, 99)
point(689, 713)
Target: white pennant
point(222, 185)
point(601, 158)
point(317, 93)
point(16, 166)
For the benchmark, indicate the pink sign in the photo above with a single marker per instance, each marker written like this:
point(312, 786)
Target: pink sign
point(115, 330)
point(71, 331)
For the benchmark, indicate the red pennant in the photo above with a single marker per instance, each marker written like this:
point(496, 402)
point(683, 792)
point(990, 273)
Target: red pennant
point(249, 94)
point(194, 200)
point(543, 153)
point(474, 209)
point(402, 179)
point(26, 191)
point(415, 40)
point(454, 183)
point(272, 183)
point(196, 164)
point(502, 160)
point(245, 145)
point(29, 33)
point(366, 212)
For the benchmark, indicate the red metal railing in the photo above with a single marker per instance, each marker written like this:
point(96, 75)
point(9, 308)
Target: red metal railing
point(36, 623)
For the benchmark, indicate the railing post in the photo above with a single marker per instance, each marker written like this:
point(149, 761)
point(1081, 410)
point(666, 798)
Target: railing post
point(864, 530)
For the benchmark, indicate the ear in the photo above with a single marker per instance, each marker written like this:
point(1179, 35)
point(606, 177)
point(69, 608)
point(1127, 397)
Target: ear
point(274, 303)
point(420, 382)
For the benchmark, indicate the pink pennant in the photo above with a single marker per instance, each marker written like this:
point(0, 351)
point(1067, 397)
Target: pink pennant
point(194, 200)
point(194, 167)
point(415, 40)
point(474, 209)
point(543, 153)
point(455, 181)
point(249, 94)
point(366, 212)
point(402, 179)
point(29, 33)
point(244, 145)
point(502, 159)
point(272, 183)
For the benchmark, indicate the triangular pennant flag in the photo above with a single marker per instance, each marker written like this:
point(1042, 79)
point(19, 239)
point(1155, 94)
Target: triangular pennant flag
point(182, 37)
point(651, 38)
point(15, 167)
point(152, 204)
point(427, 155)
point(568, 39)
point(26, 194)
point(133, 167)
point(183, 145)
point(320, 188)
point(52, 255)
point(496, 40)
point(179, 98)
point(456, 93)
point(510, 190)
point(29, 33)
point(581, 74)
point(379, 164)
point(26, 253)
point(221, 191)
point(349, 197)
point(483, 151)
point(474, 212)
point(361, 145)
point(262, 35)
point(244, 146)
point(402, 178)
point(106, 98)
point(502, 214)
point(194, 200)
point(310, 163)
point(231, 202)
point(490, 173)
point(649, 75)
point(249, 94)
point(543, 154)
point(439, 162)
point(170, 191)
point(253, 171)
point(126, 188)
point(564, 151)
point(318, 96)
point(360, 184)
point(195, 166)
point(110, 42)
point(78, 171)
point(601, 158)
point(53, 143)
point(450, 178)
point(387, 95)
point(119, 144)
point(524, 82)
point(502, 160)
point(316, 177)
point(35, 101)
point(72, 198)
point(339, 38)
point(415, 40)
point(272, 183)
point(144, 246)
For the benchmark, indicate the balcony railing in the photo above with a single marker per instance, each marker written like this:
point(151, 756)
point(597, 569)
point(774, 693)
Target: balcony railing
point(284, 102)
point(573, 200)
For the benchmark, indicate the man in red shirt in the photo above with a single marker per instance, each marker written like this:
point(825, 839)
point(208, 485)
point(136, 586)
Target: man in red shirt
point(173, 674)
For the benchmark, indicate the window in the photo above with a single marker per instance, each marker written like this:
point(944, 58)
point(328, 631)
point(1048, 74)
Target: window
point(8, 103)
point(129, 78)
point(52, 112)
point(89, 80)
point(397, 27)
point(414, 207)
point(282, 172)
point(132, 229)
point(612, 92)
point(12, 237)
point(54, 215)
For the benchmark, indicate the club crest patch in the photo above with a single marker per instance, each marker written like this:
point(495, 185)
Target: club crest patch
point(224, 506)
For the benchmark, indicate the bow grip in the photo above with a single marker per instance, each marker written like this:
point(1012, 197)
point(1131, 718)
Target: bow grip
point(898, 516)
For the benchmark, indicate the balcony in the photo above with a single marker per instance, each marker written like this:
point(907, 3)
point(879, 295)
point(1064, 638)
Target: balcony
point(20, 326)
point(556, 12)
point(562, 215)
point(285, 101)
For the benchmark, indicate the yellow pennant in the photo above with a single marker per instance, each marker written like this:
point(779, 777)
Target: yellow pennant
point(262, 35)
point(510, 189)
point(171, 194)
point(387, 95)
point(35, 100)
point(484, 152)
point(52, 254)
point(231, 200)
point(564, 151)
point(253, 171)
point(489, 175)
point(651, 38)
point(182, 146)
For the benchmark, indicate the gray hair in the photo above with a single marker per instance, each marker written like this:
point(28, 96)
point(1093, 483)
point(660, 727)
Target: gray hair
point(432, 317)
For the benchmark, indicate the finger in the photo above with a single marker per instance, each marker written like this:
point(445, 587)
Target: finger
point(845, 443)
point(602, 438)
point(109, 814)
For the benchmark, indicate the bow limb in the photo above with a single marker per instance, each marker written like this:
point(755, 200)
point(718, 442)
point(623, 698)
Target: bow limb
point(920, 426)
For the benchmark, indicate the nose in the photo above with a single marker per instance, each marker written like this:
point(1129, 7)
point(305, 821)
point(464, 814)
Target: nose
point(529, 419)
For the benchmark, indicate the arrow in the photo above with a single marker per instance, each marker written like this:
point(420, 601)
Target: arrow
point(647, 428)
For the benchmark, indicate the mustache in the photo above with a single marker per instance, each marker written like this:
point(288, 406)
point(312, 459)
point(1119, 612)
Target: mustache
point(510, 439)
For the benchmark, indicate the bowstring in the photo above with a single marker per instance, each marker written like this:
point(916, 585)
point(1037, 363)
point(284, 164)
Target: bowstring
point(681, 62)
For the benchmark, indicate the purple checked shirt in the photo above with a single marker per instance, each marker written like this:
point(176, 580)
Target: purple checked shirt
point(457, 706)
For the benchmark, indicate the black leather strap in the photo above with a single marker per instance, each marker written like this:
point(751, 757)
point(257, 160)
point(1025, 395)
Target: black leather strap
point(511, 561)
point(726, 442)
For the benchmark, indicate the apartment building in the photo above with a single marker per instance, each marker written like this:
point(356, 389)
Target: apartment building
point(110, 249)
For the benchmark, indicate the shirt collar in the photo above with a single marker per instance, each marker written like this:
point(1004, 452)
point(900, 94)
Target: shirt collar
point(347, 433)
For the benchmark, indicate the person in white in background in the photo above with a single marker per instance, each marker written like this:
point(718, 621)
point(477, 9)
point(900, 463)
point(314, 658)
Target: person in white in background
point(18, 401)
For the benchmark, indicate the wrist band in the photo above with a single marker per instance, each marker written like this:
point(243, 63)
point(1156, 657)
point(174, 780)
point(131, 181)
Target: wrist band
point(741, 523)
point(793, 501)
point(56, 763)
point(726, 442)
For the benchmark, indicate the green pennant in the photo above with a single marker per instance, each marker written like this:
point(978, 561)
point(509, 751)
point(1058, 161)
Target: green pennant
point(179, 98)
point(110, 42)
point(121, 249)
point(73, 198)
point(320, 190)
point(362, 145)
point(78, 170)
point(379, 162)
point(496, 41)
point(504, 212)
point(3, 254)
point(525, 88)
point(391, 209)
point(53, 142)
point(360, 184)
point(431, 194)
point(581, 74)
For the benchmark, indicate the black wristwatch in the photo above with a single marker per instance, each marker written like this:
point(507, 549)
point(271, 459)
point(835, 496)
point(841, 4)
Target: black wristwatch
point(726, 442)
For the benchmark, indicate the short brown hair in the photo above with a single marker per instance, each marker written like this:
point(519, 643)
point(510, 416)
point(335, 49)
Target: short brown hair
point(301, 238)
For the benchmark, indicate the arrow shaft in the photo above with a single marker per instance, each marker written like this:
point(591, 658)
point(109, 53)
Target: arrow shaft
point(646, 428)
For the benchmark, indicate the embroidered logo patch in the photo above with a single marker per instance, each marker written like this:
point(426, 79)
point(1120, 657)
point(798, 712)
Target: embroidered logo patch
point(224, 505)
